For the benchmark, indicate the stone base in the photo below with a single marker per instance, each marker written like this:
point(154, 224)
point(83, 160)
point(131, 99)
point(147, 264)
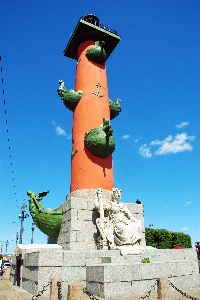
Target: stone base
point(78, 229)
point(105, 273)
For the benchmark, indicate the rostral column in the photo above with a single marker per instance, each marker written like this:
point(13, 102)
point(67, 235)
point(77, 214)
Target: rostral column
point(92, 136)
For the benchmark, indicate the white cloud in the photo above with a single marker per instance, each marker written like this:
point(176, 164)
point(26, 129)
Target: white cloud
point(137, 140)
point(184, 228)
point(181, 125)
point(145, 150)
point(171, 144)
point(126, 136)
point(60, 131)
point(187, 203)
point(174, 144)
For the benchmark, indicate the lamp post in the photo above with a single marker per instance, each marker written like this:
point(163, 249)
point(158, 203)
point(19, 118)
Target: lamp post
point(1, 247)
point(6, 243)
point(22, 216)
point(32, 228)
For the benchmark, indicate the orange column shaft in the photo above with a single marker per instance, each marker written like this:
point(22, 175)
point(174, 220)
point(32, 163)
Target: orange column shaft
point(87, 170)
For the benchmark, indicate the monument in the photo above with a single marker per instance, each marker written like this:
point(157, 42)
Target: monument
point(100, 242)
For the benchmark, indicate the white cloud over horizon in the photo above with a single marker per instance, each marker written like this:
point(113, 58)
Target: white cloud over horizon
point(171, 144)
point(181, 125)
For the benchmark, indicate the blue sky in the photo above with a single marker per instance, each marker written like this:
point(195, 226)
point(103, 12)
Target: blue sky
point(154, 70)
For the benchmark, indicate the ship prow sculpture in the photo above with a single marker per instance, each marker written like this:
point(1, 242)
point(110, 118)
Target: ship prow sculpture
point(48, 221)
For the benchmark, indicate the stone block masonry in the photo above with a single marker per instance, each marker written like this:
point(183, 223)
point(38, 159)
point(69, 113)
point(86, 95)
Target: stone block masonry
point(105, 272)
point(78, 229)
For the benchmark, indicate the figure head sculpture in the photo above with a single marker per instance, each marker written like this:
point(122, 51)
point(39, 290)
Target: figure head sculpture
point(116, 194)
point(31, 193)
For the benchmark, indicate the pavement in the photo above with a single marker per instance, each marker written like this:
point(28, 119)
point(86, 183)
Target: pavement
point(8, 291)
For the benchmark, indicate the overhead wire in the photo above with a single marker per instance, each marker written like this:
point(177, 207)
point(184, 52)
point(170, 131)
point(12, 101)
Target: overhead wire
point(8, 137)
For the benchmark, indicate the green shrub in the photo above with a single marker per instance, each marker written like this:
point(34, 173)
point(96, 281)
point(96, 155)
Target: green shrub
point(164, 239)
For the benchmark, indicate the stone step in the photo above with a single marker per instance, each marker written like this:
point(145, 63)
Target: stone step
point(116, 280)
point(155, 255)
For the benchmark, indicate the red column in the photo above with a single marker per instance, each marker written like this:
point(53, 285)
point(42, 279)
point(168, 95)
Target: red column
point(87, 170)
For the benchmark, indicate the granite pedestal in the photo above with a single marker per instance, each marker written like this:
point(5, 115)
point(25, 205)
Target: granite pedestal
point(79, 230)
point(104, 273)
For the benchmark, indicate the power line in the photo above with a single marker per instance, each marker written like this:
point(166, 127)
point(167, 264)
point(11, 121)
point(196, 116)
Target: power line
point(8, 138)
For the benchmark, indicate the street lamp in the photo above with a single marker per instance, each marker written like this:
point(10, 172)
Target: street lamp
point(2, 247)
point(32, 228)
point(7, 243)
point(22, 216)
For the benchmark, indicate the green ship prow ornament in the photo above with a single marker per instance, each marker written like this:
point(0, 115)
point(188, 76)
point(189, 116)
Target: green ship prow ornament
point(48, 221)
point(115, 108)
point(69, 98)
point(97, 53)
point(100, 141)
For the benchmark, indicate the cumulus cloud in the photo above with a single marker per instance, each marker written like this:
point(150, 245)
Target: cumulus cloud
point(126, 136)
point(145, 150)
point(175, 144)
point(171, 144)
point(187, 203)
point(184, 228)
point(181, 125)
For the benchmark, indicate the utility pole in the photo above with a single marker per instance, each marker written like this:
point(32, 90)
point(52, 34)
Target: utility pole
point(17, 237)
point(7, 243)
point(22, 216)
point(1, 246)
point(32, 228)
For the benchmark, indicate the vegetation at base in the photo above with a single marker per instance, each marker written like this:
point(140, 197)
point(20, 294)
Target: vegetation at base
point(164, 239)
point(145, 260)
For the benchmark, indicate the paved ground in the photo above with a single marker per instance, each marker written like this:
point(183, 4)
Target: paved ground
point(10, 292)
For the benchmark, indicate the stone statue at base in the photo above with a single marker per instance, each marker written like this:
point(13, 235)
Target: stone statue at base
point(118, 228)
